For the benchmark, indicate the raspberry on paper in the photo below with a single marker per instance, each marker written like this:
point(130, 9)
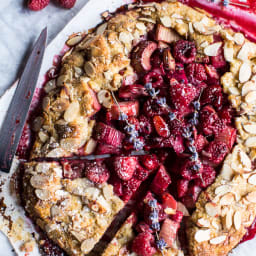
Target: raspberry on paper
point(37, 5)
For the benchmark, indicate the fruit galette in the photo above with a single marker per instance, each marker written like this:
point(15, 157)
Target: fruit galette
point(170, 96)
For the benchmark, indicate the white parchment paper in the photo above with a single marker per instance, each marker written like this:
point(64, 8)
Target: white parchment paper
point(88, 17)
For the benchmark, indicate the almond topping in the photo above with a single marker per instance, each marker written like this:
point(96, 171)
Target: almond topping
point(247, 87)
point(212, 209)
point(218, 240)
point(227, 199)
point(251, 197)
point(222, 190)
point(212, 49)
point(252, 179)
point(204, 223)
point(39, 181)
point(74, 40)
point(226, 172)
point(228, 53)
point(239, 38)
point(250, 127)
point(87, 245)
point(105, 98)
point(43, 194)
point(228, 219)
point(202, 235)
point(166, 21)
point(250, 97)
point(250, 142)
point(245, 72)
point(72, 112)
point(245, 159)
point(237, 220)
point(90, 146)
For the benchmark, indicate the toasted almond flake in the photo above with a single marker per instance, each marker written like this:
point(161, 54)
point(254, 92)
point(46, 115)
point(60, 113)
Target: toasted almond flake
point(89, 68)
point(218, 240)
point(105, 98)
point(228, 219)
point(57, 152)
point(247, 51)
point(226, 172)
point(177, 16)
point(101, 29)
point(190, 28)
point(212, 49)
point(245, 72)
point(108, 192)
point(147, 20)
point(204, 223)
point(72, 111)
point(251, 142)
point(141, 26)
point(228, 36)
point(251, 97)
point(204, 44)
point(90, 146)
point(237, 220)
point(39, 181)
point(43, 136)
point(234, 91)
point(227, 199)
point(228, 53)
point(74, 40)
point(212, 209)
point(239, 38)
point(43, 194)
point(87, 245)
point(252, 179)
point(43, 167)
point(250, 128)
point(251, 197)
point(245, 159)
point(203, 235)
point(222, 190)
point(50, 85)
point(125, 37)
point(247, 87)
point(166, 21)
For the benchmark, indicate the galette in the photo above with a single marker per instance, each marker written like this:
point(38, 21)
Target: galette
point(163, 100)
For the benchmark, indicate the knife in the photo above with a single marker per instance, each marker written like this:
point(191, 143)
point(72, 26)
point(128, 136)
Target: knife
point(17, 112)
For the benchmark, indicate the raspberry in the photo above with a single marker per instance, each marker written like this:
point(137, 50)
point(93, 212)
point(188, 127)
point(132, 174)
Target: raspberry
point(141, 173)
point(142, 244)
point(150, 162)
point(181, 94)
point(73, 169)
point(154, 78)
point(226, 135)
point(179, 74)
point(216, 151)
point(196, 73)
point(125, 166)
point(161, 181)
point(37, 5)
point(219, 60)
point(212, 72)
point(152, 108)
point(207, 177)
point(226, 114)
point(68, 4)
point(182, 187)
point(117, 185)
point(161, 127)
point(212, 95)
point(143, 227)
point(188, 170)
point(97, 172)
point(129, 188)
point(184, 51)
point(146, 126)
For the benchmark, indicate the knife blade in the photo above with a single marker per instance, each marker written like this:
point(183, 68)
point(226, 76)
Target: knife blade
point(17, 112)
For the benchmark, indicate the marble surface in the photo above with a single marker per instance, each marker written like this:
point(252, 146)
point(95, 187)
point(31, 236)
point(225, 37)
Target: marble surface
point(19, 29)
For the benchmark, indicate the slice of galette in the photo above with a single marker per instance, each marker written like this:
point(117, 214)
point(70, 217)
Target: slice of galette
point(160, 77)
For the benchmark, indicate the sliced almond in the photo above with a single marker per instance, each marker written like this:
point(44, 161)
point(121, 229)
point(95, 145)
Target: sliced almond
point(74, 40)
point(105, 98)
point(218, 240)
point(252, 179)
point(234, 91)
point(212, 209)
point(203, 235)
point(245, 159)
point(228, 53)
point(212, 49)
point(227, 199)
point(72, 111)
point(237, 220)
point(43, 167)
point(227, 172)
point(239, 38)
point(190, 28)
point(56, 152)
point(39, 181)
point(247, 87)
point(89, 69)
point(108, 192)
point(126, 37)
point(87, 245)
point(251, 97)
point(43, 194)
point(204, 223)
point(250, 128)
point(245, 72)
point(251, 142)
point(166, 21)
point(50, 85)
point(251, 197)
point(101, 29)
point(90, 146)
point(222, 190)
point(247, 51)
point(228, 219)
point(141, 26)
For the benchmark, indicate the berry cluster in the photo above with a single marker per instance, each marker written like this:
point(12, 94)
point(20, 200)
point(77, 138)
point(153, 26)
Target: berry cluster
point(37, 5)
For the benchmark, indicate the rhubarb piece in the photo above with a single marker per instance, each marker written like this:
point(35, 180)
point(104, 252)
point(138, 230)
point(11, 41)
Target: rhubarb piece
point(108, 135)
point(166, 35)
point(132, 91)
point(227, 135)
point(140, 58)
point(124, 166)
point(141, 173)
point(182, 187)
point(97, 172)
point(184, 51)
point(211, 72)
point(161, 181)
point(150, 162)
point(168, 231)
point(168, 60)
point(177, 217)
point(107, 149)
point(130, 108)
point(169, 203)
point(161, 126)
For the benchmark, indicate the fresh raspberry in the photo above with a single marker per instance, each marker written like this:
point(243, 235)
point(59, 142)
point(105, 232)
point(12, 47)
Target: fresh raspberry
point(143, 227)
point(124, 166)
point(177, 143)
point(129, 188)
point(154, 78)
point(161, 126)
point(212, 73)
point(179, 74)
point(37, 5)
point(227, 135)
point(226, 114)
point(207, 177)
point(161, 181)
point(184, 51)
point(177, 217)
point(142, 244)
point(146, 126)
point(117, 185)
point(212, 95)
point(150, 162)
point(73, 169)
point(196, 73)
point(152, 108)
point(141, 173)
point(97, 172)
point(68, 4)
point(219, 60)
point(200, 142)
point(216, 151)
point(182, 187)
point(162, 154)
point(181, 94)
